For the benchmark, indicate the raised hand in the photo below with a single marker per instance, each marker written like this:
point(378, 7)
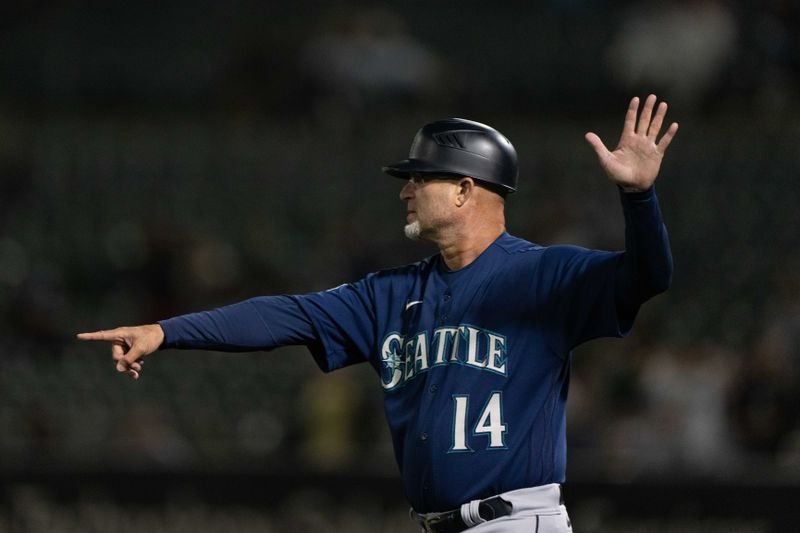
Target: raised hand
point(634, 163)
point(129, 345)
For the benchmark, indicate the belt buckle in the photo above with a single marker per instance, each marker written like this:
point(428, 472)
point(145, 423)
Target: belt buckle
point(429, 523)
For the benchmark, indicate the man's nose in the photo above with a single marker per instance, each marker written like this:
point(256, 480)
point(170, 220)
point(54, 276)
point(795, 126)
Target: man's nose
point(407, 192)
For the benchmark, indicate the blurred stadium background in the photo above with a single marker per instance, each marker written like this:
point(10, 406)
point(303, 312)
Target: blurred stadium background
point(161, 159)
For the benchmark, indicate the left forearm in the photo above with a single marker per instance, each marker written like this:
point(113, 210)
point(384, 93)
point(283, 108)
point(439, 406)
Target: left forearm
point(645, 269)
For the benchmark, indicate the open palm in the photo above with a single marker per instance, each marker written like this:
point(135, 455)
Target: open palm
point(634, 163)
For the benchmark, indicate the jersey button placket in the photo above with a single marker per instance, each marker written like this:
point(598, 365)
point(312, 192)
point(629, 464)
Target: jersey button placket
point(445, 306)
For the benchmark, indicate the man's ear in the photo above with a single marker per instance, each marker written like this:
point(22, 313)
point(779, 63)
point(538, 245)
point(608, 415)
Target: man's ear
point(466, 188)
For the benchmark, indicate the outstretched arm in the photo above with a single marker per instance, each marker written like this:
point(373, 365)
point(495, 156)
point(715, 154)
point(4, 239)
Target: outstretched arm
point(633, 165)
point(260, 323)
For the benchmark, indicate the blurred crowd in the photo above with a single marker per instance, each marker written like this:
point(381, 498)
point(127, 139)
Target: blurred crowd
point(152, 165)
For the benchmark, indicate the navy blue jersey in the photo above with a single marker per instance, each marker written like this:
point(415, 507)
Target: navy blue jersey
point(474, 363)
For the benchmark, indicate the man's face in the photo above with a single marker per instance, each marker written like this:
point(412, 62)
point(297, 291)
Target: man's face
point(428, 204)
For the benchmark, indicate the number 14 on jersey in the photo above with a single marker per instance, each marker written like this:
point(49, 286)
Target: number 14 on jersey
point(489, 423)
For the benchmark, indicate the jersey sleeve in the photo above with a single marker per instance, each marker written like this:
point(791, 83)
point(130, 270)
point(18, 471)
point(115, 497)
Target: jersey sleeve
point(645, 268)
point(261, 323)
point(336, 325)
point(582, 302)
point(597, 293)
point(344, 319)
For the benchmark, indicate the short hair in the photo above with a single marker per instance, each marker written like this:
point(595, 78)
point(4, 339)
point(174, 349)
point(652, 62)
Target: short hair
point(497, 189)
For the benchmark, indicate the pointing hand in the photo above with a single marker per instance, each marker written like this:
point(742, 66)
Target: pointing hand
point(129, 345)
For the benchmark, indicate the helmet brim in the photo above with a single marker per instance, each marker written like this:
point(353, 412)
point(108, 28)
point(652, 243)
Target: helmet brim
point(403, 169)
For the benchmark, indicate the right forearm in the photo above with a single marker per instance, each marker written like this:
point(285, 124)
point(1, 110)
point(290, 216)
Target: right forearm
point(261, 323)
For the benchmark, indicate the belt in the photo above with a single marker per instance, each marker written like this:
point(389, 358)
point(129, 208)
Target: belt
point(453, 522)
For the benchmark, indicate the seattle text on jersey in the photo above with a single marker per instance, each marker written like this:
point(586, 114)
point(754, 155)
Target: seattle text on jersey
point(405, 357)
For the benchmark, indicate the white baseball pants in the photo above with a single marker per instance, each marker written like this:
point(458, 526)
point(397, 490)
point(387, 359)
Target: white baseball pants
point(535, 510)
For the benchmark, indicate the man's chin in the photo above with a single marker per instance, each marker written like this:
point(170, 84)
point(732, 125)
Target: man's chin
point(412, 230)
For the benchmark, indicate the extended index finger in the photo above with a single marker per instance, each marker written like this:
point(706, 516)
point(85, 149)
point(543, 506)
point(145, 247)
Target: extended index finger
point(110, 335)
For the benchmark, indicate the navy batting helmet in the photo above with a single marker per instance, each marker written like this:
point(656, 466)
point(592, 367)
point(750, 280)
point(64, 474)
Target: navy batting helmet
point(462, 147)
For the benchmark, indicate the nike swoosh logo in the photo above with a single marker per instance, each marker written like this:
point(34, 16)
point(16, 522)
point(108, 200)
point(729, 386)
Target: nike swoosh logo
point(412, 304)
